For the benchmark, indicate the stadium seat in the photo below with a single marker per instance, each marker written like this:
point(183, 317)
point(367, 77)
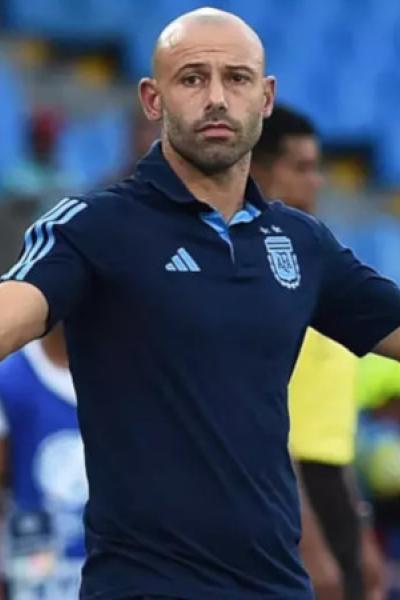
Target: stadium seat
point(13, 115)
point(70, 19)
point(256, 14)
point(357, 236)
point(329, 60)
point(377, 242)
point(95, 149)
point(146, 25)
point(387, 154)
point(386, 98)
point(387, 239)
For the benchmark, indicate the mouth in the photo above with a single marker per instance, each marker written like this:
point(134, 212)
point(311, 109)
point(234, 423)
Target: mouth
point(216, 129)
point(215, 125)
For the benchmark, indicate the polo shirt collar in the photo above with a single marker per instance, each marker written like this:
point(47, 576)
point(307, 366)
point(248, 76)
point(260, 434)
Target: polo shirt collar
point(155, 170)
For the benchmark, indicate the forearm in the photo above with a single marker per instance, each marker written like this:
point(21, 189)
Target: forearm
point(372, 560)
point(23, 314)
point(312, 539)
point(316, 554)
point(389, 346)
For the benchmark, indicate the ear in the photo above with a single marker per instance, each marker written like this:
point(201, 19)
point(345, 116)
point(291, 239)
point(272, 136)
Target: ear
point(150, 99)
point(269, 95)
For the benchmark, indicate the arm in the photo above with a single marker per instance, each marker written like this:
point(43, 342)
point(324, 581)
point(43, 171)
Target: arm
point(390, 345)
point(373, 564)
point(23, 315)
point(356, 307)
point(318, 559)
point(51, 277)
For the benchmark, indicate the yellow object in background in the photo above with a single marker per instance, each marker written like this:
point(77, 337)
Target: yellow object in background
point(94, 71)
point(322, 404)
point(378, 380)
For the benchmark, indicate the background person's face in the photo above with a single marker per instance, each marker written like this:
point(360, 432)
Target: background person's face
point(295, 177)
point(213, 96)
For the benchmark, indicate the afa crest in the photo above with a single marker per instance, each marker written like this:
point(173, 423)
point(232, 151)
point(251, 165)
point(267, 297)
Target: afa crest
point(283, 261)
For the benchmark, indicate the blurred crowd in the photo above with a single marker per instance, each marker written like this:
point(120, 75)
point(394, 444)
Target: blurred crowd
point(69, 122)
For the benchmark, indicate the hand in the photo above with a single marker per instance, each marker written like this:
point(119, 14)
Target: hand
point(372, 566)
point(325, 575)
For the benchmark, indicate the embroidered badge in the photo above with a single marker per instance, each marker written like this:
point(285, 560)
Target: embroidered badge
point(283, 261)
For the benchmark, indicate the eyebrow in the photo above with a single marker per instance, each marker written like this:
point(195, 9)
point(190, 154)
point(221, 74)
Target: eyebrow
point(194, 65)
point(241, 68)
point(202, 65)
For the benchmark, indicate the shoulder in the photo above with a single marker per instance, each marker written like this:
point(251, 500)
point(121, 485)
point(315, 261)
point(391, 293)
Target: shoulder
point(119, 197)
point(105, 211)
point(297, 220)
point(89, 221)
point(306, 229)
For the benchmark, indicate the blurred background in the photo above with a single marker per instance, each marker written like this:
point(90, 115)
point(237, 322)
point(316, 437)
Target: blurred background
point(69, 118)
point(70, 122)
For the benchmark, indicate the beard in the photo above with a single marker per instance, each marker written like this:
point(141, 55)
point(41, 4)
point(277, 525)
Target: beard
point(212, 156)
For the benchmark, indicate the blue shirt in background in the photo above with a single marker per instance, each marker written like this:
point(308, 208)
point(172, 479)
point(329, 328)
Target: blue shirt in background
point(48, 482)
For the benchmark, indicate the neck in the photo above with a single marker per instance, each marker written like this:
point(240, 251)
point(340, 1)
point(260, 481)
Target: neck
point(55, 348)
point(223, 191)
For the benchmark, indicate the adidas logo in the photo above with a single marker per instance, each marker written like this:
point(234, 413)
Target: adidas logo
point(182, 261)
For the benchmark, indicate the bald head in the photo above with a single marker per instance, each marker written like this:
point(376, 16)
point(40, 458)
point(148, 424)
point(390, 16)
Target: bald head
point(189, 27)
point(208, 89)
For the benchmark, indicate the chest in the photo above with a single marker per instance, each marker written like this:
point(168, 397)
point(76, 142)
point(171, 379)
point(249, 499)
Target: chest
point(256, 286)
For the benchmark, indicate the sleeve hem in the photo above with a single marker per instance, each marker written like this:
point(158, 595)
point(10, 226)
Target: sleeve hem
point(367, 346)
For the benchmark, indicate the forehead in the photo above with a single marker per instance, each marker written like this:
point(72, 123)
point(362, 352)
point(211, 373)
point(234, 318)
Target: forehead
point(211, 43)
point(301, 147)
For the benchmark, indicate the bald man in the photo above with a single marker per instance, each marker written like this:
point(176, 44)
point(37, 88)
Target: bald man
point(185, 298)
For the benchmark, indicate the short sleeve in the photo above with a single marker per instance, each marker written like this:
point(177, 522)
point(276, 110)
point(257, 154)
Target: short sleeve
point(52, 259)
point(356, 306)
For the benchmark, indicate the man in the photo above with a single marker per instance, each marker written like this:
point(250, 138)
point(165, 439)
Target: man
point(378, 456)
point(185, 299)
point(286, 163)
point(42, 449)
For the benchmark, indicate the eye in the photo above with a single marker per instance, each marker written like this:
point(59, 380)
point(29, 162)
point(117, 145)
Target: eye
point(191, 80)
point(239, 77)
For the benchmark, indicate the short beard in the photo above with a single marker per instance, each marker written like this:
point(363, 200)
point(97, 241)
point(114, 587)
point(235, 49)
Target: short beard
point(209, 160)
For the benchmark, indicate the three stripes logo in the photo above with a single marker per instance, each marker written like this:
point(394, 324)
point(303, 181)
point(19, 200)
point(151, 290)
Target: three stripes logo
point(183, 262)
point(40, 238)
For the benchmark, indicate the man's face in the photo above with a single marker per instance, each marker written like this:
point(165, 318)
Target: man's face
point(213, 96)
point(295, 176)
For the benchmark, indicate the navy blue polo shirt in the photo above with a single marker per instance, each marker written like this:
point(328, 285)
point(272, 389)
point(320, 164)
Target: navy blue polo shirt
point(182, 333)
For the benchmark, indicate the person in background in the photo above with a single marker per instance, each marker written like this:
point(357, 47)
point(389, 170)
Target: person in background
point(39, 179)
point(378, 455)
point(144, 133)
point(42, 465)
point(287, 165)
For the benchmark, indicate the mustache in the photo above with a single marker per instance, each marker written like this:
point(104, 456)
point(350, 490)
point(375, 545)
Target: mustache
point(215, 116)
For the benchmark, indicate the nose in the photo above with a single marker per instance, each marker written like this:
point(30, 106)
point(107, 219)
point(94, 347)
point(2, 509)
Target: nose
point(216, 95)
point(318, 180)
point(315, 181)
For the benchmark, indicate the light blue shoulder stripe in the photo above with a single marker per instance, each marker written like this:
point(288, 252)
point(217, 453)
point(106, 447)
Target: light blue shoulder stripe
point(40, 230)
point(31, 247)
point(49, 227)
